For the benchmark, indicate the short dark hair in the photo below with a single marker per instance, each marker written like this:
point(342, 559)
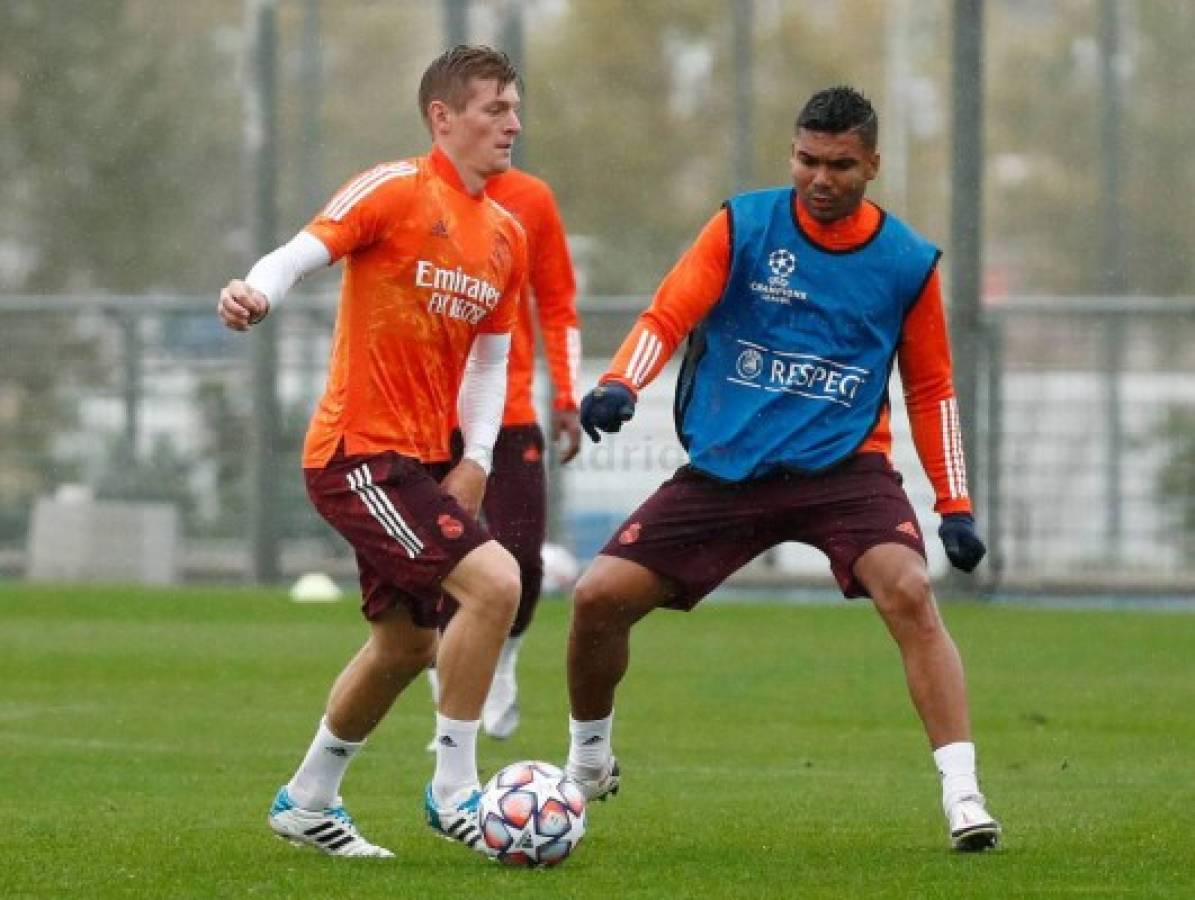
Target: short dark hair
point(448, 76)
point(839, 109)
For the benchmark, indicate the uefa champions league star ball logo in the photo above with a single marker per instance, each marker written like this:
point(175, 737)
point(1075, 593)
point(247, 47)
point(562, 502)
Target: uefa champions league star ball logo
point(749, 364)
point(782, 263)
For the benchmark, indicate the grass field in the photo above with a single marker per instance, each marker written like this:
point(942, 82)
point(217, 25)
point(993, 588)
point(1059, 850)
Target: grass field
point(768, 751)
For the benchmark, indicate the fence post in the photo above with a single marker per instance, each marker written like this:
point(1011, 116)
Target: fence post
point(966, 216)
point(132, 382)
point(994, 449)
point(264, 423)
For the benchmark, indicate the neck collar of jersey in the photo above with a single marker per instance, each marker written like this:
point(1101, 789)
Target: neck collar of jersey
point(446, 169)
point(845, 233)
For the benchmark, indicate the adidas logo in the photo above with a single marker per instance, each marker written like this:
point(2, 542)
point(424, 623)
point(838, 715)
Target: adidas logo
point(526, 842)
point(338, 751)
point(447, 741)
point(440, 229)
point(907, 528)
point(593, 741)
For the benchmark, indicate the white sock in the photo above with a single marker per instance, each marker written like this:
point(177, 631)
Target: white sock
point(509, 657)
point(433, 682)
point(589, 742)
point(456, 759)
point(956, 768)
point(317, 782)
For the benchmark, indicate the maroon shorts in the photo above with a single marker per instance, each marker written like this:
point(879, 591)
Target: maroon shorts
point(408, 533)
point(695, 531)
point(515, 510)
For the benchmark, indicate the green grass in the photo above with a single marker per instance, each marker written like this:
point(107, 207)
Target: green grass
point(768, 751)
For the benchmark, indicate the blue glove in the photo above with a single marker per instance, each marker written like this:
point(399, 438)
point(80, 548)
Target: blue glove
point(963, 545)
point(605, 408)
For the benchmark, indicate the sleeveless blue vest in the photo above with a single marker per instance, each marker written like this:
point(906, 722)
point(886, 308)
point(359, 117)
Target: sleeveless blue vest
point(790, 368)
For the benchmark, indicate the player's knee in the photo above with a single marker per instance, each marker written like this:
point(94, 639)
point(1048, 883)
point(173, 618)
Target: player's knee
point(595, 601)
point(504, 587)
point(404, 659)
point(909, 600)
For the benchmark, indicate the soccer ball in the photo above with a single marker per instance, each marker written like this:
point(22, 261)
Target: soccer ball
point(531, 814)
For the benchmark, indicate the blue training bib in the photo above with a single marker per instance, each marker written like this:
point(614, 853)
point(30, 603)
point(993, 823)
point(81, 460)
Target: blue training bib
point(790, 368)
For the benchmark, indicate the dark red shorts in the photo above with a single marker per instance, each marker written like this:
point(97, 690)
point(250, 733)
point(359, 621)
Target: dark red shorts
point(696, 531)
point(408, 533)
point(515, 511)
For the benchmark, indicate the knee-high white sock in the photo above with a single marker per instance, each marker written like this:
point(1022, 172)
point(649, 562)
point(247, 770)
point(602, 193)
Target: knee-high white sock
point(509, 657)
point(956, 768)
point(316, 784)
point(589, 742)
point(433, 682)
point(456, 759)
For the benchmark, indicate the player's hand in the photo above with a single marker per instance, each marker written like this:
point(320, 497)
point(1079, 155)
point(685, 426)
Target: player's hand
point(605, 408)
point(566, 431)
point(963, 545)
point(241, 306)
point(466, 483)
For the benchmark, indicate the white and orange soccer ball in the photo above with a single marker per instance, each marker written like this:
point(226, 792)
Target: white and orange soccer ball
point(531, 814)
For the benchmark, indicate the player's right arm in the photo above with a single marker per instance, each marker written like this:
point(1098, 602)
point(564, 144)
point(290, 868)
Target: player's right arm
point(684, 298)
point(357, 215)
point(245, 303)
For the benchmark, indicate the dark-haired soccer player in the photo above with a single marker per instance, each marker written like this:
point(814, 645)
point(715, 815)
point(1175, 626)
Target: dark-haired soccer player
point(433, 274)
point(796, 302)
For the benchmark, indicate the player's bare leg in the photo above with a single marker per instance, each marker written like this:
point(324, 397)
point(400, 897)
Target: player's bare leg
point(396, 652)
point(897, 580)
point(610, 598)
point(486, 585)
point(308, 811)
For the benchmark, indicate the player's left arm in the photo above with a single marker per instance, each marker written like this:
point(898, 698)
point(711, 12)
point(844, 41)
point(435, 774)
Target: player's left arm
point(926, 374)
point(479, 411)
point(482, 394)
point(554, 290)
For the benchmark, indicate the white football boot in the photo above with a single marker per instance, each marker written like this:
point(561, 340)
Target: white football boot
point(329, 830)
point(972, 828)
point(457, 822)
point(596, 783)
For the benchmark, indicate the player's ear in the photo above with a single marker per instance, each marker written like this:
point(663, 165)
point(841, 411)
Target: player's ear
point(438, 116)
point(872, 165)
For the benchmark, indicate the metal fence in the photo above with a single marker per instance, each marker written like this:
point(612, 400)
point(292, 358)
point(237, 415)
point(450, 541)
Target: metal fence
point(1084, 470)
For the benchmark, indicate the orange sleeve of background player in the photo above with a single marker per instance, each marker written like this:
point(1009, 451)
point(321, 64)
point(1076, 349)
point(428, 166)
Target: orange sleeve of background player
point(925, 372)
point(684, 298)
point(555, 291)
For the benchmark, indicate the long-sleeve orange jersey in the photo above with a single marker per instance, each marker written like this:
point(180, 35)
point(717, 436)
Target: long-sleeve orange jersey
point(549, 298)
point(427, 267)
point(696, 283)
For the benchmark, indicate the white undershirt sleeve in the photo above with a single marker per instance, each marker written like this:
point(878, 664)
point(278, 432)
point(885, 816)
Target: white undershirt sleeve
point(280, 270)
point(483, 396)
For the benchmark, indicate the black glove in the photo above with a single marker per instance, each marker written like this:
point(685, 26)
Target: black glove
point(963, 545)
point(605, 408)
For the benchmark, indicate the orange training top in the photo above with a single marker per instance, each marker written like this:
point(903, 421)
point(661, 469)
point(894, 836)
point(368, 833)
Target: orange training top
point(551, 290)
point(696, 283)
point(427, 266)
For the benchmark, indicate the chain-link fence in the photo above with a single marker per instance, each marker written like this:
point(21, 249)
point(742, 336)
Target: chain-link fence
point(1084, 470)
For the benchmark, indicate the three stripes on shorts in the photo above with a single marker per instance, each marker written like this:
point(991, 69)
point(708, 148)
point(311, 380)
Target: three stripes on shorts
point(361, 481)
